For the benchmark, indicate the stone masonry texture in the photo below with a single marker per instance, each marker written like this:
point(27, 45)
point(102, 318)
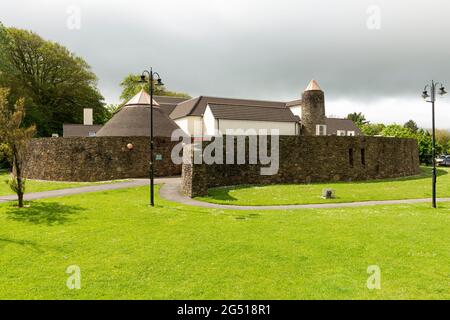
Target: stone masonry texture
point(313, 111)
point(306, 159)
point(97, 158)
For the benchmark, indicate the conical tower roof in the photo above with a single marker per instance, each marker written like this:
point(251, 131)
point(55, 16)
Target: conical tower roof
point(141, 98)
point(133, 119)
point(312, 86)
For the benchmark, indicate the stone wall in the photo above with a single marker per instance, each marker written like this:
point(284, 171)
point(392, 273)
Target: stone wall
point(305, 159)
point(97, 158)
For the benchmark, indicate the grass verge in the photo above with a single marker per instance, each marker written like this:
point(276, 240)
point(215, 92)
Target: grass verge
point(128, 250)
point(386, 189)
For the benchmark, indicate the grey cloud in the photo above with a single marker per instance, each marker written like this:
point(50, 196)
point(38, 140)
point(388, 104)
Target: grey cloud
point(257, 49)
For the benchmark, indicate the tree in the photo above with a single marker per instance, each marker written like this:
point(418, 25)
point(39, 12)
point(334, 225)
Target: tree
point(372, 129)
point(423, 137)
point(425, 142)
point(442, 136)
point(131, 86)
point(112, 109)
point(358, 118)
point(411, 125)
point(4, 161)
point(56, 83)
point(16, 138)
point(395, 130)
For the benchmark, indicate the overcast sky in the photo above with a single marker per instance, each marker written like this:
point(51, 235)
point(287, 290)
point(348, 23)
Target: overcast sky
point(368, 56)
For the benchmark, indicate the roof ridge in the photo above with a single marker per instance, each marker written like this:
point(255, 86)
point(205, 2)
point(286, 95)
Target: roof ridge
point(199, 98)
point(246, 105)
point(259, 100)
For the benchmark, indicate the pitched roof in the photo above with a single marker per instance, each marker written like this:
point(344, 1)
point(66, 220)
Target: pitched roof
point(197, 106)
point(254, 113)
point(79, 130)
point(335, 124)
point(168, 103)
point(169, 100)
point(294, 103)
point(313, 85)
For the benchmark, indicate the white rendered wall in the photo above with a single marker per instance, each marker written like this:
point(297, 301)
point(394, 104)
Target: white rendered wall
point(191, 125)
point(285, 128)
point(297, 110)
point(209, 122)
point(207, 126)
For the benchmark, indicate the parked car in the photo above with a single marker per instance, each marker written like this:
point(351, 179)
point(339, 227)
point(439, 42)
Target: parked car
point(443, 161)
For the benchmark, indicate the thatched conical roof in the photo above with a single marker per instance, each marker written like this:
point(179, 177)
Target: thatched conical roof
point(133, 119)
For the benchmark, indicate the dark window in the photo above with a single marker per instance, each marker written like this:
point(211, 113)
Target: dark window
point(363, 157)
point(350, 157)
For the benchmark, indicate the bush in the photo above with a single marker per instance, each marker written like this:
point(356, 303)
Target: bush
point(5, 162)
point(423, 137)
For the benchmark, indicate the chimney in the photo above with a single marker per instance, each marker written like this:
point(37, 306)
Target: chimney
point(87, 117)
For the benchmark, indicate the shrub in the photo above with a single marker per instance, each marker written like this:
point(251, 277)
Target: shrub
point(5, 162)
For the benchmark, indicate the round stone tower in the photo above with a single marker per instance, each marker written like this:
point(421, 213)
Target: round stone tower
point(313, 110)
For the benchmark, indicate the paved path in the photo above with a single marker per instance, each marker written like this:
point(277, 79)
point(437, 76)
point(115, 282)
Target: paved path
point(93, 188)
point(170, 190)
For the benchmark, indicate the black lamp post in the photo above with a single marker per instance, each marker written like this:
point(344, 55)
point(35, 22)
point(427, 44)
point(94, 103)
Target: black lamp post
point(432, 100)
point(148, 76)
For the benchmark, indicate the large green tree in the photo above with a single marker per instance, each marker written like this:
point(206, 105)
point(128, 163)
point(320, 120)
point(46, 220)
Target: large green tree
point(422, 136)
point(131, 86)
point(398, 131)
point(443, 137)
point(358, 118)
point(56, 83)
point(372, 129)
point(411, 125)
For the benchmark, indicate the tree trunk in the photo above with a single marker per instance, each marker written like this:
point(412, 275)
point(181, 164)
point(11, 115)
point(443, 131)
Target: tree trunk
point(18, 169)
point(20, 192)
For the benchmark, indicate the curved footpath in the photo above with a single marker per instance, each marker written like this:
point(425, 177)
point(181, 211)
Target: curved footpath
point(170, 191)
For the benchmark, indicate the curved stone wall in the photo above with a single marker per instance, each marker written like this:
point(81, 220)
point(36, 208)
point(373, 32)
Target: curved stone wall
point(97, 158)
point(305, 159)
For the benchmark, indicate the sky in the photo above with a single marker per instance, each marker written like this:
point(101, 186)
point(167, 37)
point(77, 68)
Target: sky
point(373, 57)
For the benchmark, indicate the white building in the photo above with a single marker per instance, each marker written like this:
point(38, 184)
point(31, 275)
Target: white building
point(208, 116)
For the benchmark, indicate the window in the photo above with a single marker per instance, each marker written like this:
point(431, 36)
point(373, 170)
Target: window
point(350, 157)
point(363, 157)
point(350, 133)
point(340, 133)
point(321, 130)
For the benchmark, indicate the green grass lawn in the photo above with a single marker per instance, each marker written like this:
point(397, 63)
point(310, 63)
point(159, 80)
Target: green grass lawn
point(127, 250)
point(389, 189)
point(37, 185)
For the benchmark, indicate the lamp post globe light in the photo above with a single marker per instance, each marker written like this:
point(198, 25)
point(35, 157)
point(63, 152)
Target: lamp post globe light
point(432, 87)
point(149, 76)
